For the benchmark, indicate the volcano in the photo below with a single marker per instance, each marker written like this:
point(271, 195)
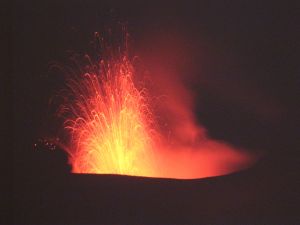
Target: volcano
point(229, 71)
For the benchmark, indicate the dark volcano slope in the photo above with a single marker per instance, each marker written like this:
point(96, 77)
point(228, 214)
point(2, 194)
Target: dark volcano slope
point(258, 195)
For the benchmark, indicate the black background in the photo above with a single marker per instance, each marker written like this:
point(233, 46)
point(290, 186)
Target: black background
point(249, 98)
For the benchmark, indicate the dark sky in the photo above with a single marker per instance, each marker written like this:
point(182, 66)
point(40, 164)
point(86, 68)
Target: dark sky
point(242, 58)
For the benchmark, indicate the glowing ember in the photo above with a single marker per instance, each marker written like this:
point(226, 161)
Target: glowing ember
point(113, 131)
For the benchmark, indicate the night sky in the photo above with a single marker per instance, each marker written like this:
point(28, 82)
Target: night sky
point(241, 61)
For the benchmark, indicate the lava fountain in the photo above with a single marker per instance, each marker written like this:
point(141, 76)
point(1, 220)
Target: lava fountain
point(111, 124)
point(113, 129)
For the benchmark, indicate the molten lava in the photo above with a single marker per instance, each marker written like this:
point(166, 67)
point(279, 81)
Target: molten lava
point(111, 125)
point(114, 131)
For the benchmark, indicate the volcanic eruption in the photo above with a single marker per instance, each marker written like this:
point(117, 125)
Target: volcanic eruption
point(113, 128)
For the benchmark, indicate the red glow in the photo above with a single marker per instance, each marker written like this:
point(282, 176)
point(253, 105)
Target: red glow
point(114, 131)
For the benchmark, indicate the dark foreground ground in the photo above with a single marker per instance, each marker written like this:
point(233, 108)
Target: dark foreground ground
point(258, 195)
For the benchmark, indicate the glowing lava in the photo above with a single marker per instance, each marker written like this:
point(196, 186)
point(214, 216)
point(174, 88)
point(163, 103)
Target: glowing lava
point(113, 130)
point(111, 125)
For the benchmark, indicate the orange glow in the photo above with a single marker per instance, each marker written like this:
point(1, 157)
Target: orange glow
point(114, 131)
